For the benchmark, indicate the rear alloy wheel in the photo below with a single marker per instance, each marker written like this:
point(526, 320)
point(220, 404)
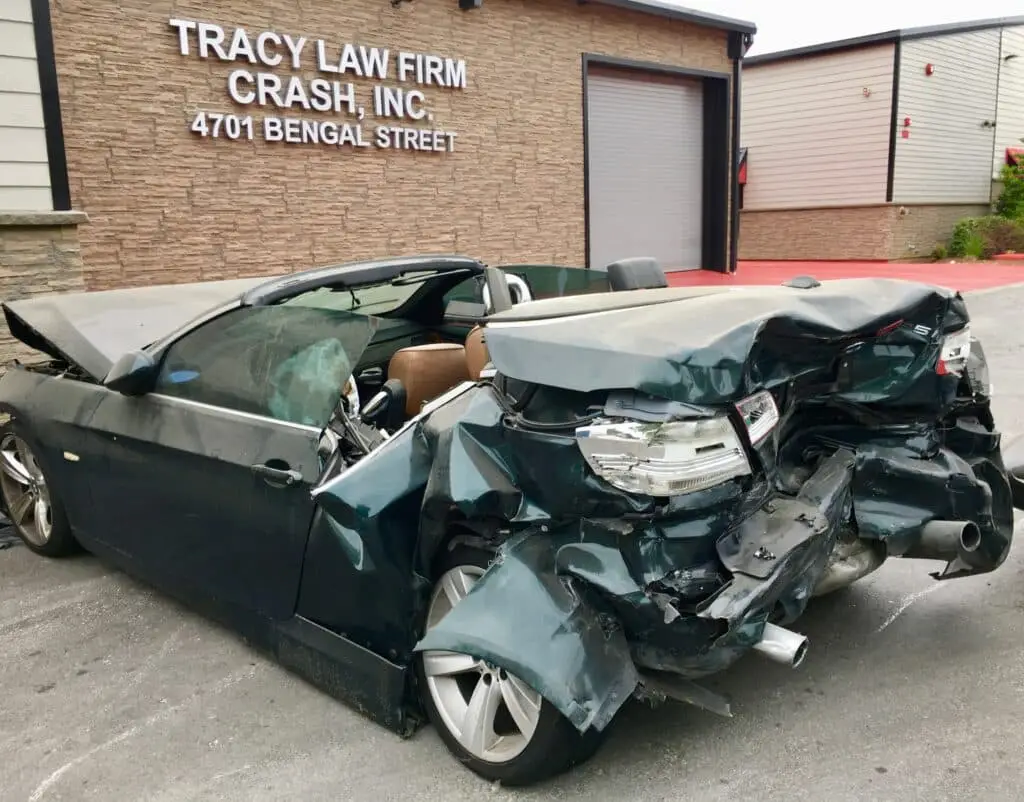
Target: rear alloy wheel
point(490, 719)
point(36, 515)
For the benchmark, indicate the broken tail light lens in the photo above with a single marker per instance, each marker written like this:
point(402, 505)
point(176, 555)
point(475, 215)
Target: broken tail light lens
point(760, 415)
point(663, 459)
point(956, 350)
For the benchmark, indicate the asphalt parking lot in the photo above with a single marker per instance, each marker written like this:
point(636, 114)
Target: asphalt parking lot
point(912, 690)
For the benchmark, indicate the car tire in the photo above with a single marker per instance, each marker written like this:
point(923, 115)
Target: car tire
point(28, 497)
point(514, 759)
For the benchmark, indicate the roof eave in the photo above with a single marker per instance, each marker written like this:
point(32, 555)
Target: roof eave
point(673, 12)
point(886, 37)
point(856, 43)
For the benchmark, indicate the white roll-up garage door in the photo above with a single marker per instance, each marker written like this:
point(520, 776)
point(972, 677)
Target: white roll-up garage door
point(645, 160)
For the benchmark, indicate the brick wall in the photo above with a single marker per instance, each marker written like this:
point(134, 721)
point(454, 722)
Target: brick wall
point(166, 205)
point(917, 231)
point(39, 254)
point(884, 232)
point(861, 232)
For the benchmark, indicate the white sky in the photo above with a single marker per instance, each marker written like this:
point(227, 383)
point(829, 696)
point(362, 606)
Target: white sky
point(782, 24)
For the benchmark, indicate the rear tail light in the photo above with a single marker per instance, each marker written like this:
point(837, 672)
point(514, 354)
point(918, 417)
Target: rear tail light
point(663, 459)
point(760, 415)
point(675, 457)
point(956, 349)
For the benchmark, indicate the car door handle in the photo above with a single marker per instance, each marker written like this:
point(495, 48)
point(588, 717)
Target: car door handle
point(279, 477)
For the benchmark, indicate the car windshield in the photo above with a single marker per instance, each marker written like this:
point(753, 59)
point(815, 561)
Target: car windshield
point(371, 299)
point(288, 362)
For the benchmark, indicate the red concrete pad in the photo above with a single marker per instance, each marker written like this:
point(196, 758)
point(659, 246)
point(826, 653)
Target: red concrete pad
point(963, 277)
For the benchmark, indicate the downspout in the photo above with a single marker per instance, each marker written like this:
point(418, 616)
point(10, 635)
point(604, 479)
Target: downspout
point(739, 44)
point(992, 197)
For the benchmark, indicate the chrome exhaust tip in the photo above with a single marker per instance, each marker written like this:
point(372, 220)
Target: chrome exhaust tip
point(782, 645)
point(950, 536)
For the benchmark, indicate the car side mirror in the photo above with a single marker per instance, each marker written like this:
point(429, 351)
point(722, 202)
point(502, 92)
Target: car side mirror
point(132, 374)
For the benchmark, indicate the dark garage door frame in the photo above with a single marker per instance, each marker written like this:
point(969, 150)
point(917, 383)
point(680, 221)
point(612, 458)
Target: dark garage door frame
point(716, 145)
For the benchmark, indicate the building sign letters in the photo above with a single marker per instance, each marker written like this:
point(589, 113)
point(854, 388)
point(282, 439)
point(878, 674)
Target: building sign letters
point(311, 106)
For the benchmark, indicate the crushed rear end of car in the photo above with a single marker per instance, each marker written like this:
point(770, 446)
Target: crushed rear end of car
point(668, 479)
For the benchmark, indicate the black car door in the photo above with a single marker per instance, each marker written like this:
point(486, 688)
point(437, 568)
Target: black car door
point(206, 480)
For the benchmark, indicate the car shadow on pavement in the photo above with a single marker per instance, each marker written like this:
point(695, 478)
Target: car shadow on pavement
point(8, 537)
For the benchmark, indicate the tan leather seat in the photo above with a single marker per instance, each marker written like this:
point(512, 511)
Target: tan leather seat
point(476, 352)
point(426, 371)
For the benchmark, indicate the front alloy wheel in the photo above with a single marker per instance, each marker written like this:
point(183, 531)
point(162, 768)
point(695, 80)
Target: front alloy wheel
point(36, 515)
point(492, 721)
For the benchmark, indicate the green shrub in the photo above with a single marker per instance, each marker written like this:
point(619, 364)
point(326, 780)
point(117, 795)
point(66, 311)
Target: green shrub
point(1005, 236)
point(983, 237)
point(940, 252)
point(1010, 204)
point(965, 240)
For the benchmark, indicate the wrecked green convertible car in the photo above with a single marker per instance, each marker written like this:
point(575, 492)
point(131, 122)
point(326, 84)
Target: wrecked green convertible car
point(438, 497)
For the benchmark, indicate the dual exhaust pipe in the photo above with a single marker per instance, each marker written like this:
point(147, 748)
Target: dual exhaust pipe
point(939, 540)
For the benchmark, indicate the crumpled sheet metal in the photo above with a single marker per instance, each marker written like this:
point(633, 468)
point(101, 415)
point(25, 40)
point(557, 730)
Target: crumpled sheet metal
point(482, 470)
point(579, 585)
point(364, 520)
point(619, 560)
point(720, 347)
point(575, 599)
point(577, 658)
point(595, 584)
point(778, 554)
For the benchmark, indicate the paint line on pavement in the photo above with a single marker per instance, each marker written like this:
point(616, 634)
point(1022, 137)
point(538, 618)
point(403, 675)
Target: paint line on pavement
point(905, 603)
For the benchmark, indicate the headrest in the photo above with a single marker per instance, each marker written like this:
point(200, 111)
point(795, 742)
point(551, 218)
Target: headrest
point(638, 273)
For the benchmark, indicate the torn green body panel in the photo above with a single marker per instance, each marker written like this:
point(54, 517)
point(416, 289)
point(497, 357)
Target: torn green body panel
point(548, 635)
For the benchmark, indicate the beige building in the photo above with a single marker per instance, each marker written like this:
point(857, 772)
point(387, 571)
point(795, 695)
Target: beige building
point(872, 148)
point(154, 141)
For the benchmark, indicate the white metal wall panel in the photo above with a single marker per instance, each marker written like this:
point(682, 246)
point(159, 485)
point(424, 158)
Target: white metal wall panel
point(1010, 109)
point(816, 129)
point(948, 156)
point(645, 161)
point(24, 170)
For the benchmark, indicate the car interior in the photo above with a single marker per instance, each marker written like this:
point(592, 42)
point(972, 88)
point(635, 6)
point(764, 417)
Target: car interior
point(417, 373)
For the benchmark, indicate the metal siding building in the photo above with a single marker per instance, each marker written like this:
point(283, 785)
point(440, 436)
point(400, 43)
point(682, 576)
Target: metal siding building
point(872, 148)
point(24, 168)
point(1010, 109)
point(817, 130)
point(951, 112)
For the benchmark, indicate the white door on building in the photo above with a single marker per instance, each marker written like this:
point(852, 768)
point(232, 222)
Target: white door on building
point(645, 157)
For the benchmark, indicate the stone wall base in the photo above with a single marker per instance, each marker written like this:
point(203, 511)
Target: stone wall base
point(886, 232)
point(39, 254)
